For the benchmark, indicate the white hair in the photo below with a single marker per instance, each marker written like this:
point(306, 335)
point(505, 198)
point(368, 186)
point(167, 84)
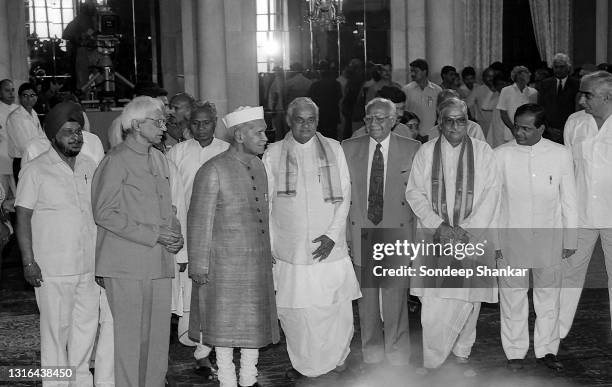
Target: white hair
point(602, 80)
point(138, 109)
point(563, 58)
point(452, 102)
point(384, 101)
point(299, 102)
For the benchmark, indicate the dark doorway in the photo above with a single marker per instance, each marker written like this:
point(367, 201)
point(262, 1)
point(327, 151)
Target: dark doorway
point(519, 44)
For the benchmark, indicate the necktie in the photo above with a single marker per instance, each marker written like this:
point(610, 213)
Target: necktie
point(377, 185)
point(559, 87)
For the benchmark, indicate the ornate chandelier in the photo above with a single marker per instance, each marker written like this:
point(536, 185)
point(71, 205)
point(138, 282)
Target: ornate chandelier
point(325, 13)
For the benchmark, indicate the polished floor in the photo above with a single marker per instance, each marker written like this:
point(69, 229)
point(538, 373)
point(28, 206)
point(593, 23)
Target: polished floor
point(586, 352)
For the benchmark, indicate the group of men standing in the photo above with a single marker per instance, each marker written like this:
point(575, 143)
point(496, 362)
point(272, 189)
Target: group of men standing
point(281, 237)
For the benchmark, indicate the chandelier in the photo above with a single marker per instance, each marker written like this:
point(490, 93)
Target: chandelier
point(325, 13)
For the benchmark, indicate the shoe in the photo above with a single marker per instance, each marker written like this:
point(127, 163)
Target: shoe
point(461, 359)
point(551, 362)
point(293, 374)
point(205, 369)
point(515, 364)
point(252, 385)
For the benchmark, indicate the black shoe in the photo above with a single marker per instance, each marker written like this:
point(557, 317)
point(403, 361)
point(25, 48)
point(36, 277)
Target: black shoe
point(252, 385)
point(204, 368)
point(293, 374)
point(515, 364)
point(551, 362)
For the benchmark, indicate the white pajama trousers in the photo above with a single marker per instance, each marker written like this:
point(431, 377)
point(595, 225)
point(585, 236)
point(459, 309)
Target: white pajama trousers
point(227, 370)
point(202, 351)
point(68, 308)
point(448, 325)
point(574, 271)
point(105, 349)
point(514, 313)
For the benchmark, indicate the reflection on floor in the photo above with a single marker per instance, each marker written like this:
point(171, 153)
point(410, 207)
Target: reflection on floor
point(586, 353)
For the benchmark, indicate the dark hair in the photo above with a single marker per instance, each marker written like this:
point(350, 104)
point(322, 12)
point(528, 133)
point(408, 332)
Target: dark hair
point(467, 71)
point(448, 69)
point(150, 89)
point(420, 64)
point(26, 86)
point(411, 116)
point(5, 80)
point(394, 94)
point(535, 109)
point(162, 93)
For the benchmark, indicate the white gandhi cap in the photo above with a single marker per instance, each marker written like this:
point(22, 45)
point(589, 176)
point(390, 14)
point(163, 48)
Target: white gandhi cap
point(243, 114)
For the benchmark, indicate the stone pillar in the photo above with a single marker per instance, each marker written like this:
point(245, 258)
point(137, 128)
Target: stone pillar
point(601, 31)
point(399, 37)
point(211, 55)
point(13, 46)
point(190, 59)
point(439, 36)
point(171, 47)
point(458, 14)
point(415, 30)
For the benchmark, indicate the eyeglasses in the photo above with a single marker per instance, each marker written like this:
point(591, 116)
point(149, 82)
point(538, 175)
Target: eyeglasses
point(301, 121)
point(379, 119)
point(158, 122)
point(72, 133)
point(462, 121)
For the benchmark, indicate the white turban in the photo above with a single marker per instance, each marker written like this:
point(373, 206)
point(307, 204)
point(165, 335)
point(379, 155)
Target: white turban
point(243, 114)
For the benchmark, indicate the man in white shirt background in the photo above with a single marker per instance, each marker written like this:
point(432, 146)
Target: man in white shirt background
point(421, 95)
point(588, 134)
point(189, 156)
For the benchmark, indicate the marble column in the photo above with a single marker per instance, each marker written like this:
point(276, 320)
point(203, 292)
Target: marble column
point(171, 47)
point(601, 31)
point(189, 49)
point(439, 36)
point(13, 46)
point(211, 56)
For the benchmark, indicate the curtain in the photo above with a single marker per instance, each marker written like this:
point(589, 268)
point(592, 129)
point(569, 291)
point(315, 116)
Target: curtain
point(483, 32)
point(552, 20)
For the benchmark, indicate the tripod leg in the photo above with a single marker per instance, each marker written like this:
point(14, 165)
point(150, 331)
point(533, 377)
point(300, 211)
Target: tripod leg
point(124, 80)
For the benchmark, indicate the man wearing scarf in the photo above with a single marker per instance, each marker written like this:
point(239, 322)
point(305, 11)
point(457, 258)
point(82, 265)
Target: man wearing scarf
point(230, 261)
point(453, 190)
point(309, 202)
point(57, 234)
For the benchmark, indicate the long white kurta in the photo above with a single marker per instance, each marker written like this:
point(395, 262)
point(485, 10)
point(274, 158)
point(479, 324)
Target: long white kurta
point(592, 153)
point(449, 315)
point(188, 156)
point(313, 299)
point(537, 219)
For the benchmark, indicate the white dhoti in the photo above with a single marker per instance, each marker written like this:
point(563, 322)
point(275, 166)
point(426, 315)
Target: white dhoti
point(315, 310)
point(574, 271)
point(514, 308)
point(448, 325)
point(68, 308)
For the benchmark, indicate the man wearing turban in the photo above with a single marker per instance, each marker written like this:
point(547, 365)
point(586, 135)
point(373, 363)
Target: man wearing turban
point(57, 234)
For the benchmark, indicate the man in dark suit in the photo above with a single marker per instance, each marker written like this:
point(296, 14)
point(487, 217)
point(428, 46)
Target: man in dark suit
point(379, 166)
point(558, 97)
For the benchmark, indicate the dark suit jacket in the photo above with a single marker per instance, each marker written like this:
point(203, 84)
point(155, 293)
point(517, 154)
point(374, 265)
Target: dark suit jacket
point(396, 210)
point(558, 108)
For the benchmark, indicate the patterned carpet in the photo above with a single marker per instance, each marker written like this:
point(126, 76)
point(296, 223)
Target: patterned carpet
point(586, 353)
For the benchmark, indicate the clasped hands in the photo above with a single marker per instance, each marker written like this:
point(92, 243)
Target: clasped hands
point(171, 237)
point(449, 234)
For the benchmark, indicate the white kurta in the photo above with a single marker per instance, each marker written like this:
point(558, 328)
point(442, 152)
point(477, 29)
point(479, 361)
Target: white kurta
point(449, 315)
point(537, 219)
point(482, 101)
point(314, 298)
point(188, 156)
point(22, 127)
point(6, 166)
point(592, 153)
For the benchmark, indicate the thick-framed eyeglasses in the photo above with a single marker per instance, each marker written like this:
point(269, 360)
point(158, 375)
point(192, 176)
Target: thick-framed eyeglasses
point(447, 121)
point(158, 122)
point(378, 119)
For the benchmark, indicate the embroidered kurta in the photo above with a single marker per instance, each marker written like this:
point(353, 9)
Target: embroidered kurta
point(228, 238)
point(486, 196)
point(538, 214)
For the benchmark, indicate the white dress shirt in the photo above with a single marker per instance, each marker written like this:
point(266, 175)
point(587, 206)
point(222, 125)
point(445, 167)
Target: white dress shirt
point(538, 196)
point(189, 156)
point(422, 102)
point(511, 97)
point(384, 149)
point(22, 127)
point(592, 153)
point(63, 228)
